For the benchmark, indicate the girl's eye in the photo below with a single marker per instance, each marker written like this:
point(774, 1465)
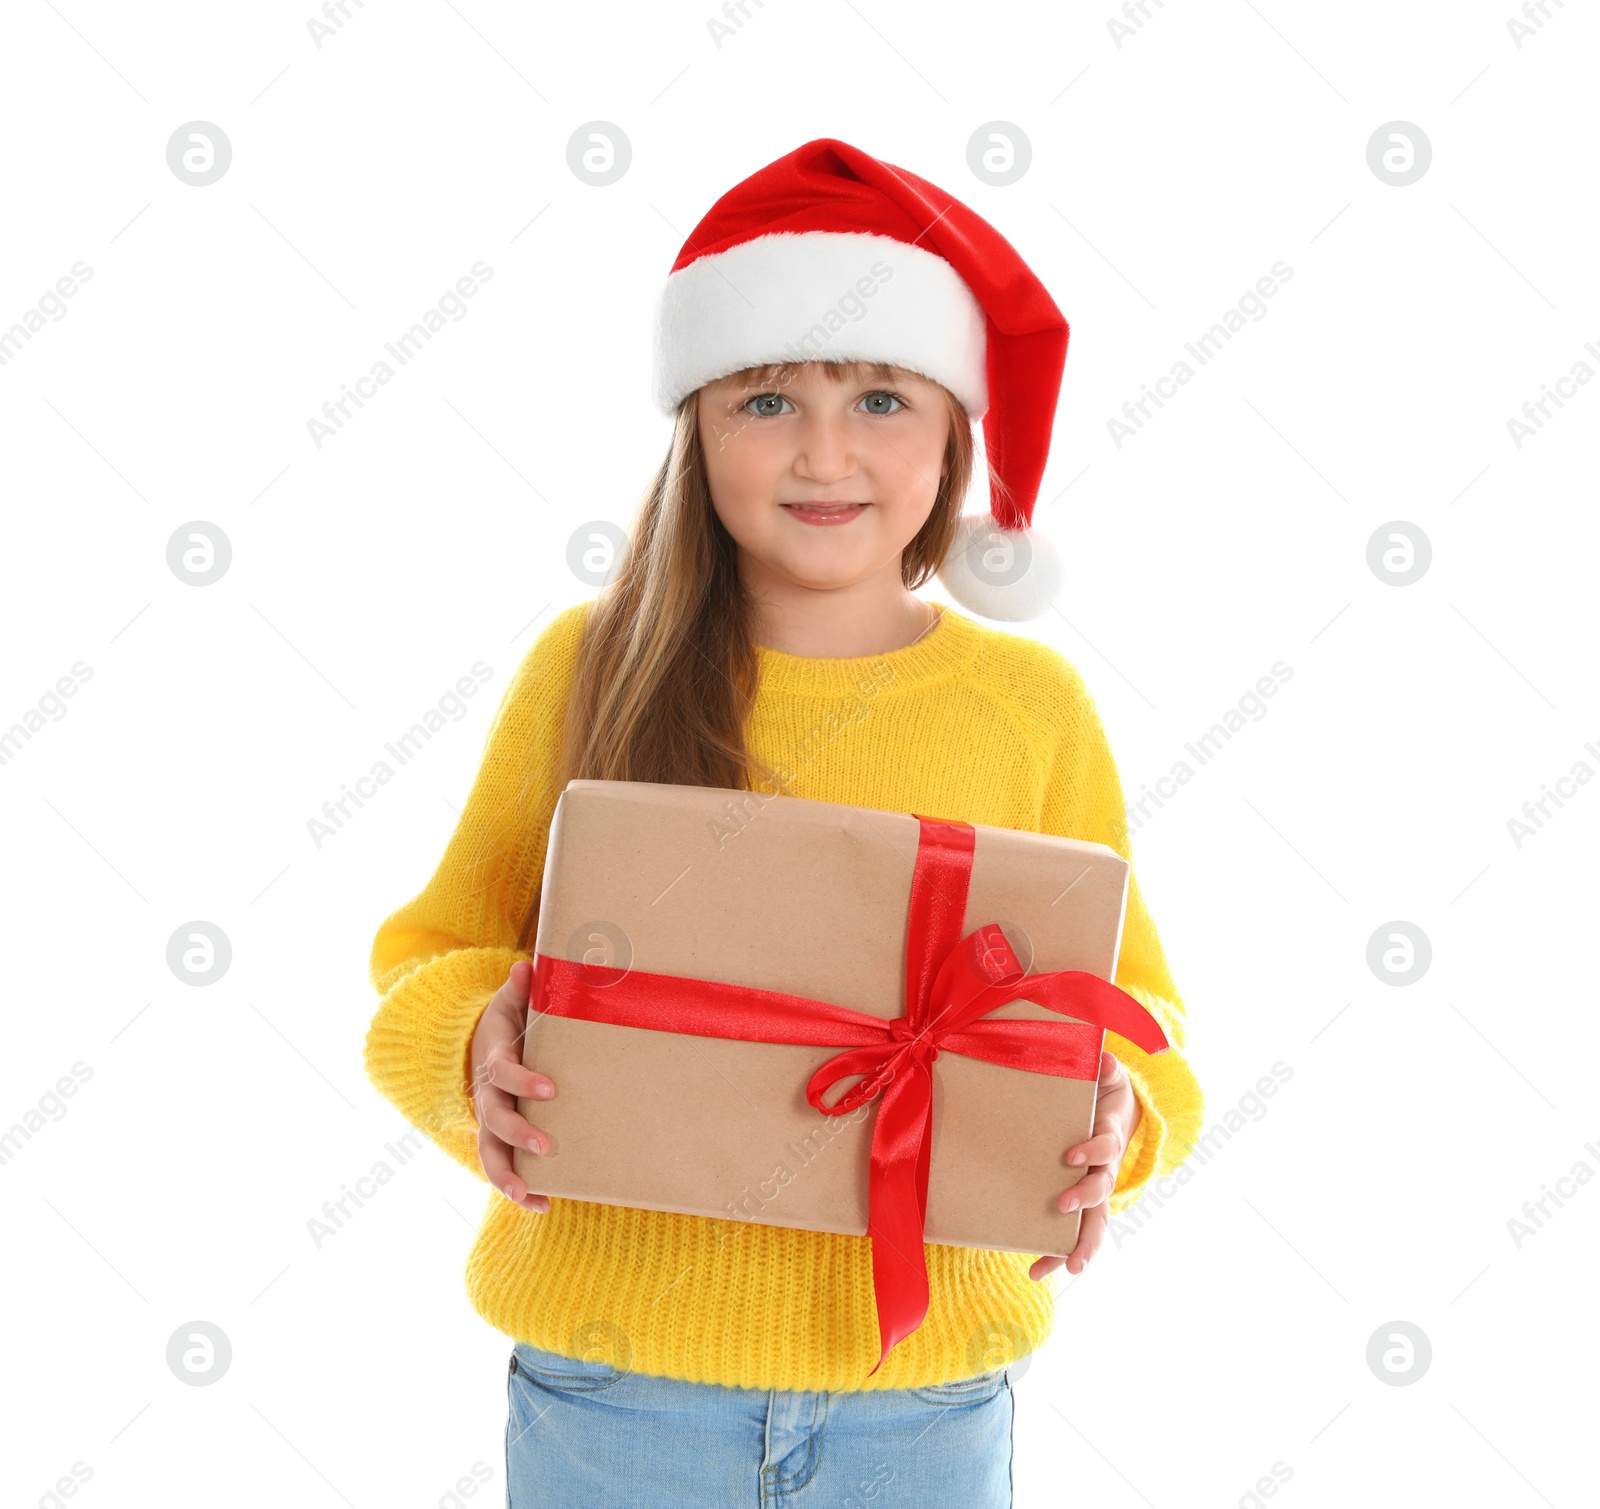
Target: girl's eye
point(875, 398)
point(766, 404)
point(760, 404)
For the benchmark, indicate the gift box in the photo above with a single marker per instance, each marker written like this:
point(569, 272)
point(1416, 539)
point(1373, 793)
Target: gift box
point(712, 966)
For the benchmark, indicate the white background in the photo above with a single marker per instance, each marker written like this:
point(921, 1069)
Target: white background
point(1168, 174)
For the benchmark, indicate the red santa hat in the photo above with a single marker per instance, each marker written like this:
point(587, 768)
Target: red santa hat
point(831, 253)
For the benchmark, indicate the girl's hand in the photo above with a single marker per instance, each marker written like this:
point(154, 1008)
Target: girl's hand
point(1116, 1114)
point(498, 1078)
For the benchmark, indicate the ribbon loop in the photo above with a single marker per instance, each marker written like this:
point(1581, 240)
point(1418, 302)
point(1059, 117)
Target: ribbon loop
point(872, 1062)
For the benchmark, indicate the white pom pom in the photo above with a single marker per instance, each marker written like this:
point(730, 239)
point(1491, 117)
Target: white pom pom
point(1004, 574)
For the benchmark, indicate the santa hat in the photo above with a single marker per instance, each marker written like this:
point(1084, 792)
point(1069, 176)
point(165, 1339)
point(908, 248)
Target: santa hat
point(831, 253)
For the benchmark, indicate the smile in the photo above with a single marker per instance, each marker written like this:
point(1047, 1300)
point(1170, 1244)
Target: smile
point(825, 513)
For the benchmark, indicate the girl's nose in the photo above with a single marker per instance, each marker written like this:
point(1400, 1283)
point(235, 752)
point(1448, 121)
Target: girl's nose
point(825, 453)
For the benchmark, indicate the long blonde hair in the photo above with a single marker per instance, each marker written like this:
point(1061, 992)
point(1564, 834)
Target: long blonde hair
point(666, 670)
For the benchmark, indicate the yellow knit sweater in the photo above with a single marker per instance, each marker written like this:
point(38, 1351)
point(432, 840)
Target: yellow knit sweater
point(969, 723)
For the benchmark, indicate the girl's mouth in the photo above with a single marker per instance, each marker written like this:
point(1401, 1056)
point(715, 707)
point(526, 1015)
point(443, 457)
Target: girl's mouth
point(825, 513)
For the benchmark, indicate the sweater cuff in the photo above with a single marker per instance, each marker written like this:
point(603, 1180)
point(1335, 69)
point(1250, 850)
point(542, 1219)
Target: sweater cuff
point(419, 1047)
point(1143, 1152)
point(1170, 1103)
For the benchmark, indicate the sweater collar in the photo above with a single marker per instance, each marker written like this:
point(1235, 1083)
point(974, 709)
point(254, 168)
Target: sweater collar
point(945, 650)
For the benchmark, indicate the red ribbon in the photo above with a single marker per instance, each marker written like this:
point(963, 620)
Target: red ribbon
point(951, 982)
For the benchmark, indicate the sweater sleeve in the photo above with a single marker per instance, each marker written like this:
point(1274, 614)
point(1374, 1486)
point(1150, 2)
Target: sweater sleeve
point(1083, 799)
point(440, 958)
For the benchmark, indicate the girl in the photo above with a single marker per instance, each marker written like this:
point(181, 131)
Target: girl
point(824, 342)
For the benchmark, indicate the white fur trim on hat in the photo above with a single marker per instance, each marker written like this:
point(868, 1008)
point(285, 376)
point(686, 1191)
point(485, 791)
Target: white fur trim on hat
point(1004, 574)
point(804, 296)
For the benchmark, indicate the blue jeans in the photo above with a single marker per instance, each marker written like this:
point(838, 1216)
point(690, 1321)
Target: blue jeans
point(582, 1435)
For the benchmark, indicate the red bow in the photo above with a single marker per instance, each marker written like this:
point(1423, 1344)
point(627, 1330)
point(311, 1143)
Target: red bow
point(951, 982)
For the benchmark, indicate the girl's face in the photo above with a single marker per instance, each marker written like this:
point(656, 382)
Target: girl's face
point(823, 483)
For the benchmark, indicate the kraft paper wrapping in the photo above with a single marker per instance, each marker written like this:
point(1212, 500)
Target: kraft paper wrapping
point(785, 893)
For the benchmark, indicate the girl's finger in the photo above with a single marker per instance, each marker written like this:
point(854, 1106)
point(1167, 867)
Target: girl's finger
point(502, 1027)
point(505, 1069)
point(1091, 1231)
point(512, 997)
point(498, 1115)
point(1093, 1190)
point(495, 1157)
point(1103, 1147)
point(1044, 1267)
